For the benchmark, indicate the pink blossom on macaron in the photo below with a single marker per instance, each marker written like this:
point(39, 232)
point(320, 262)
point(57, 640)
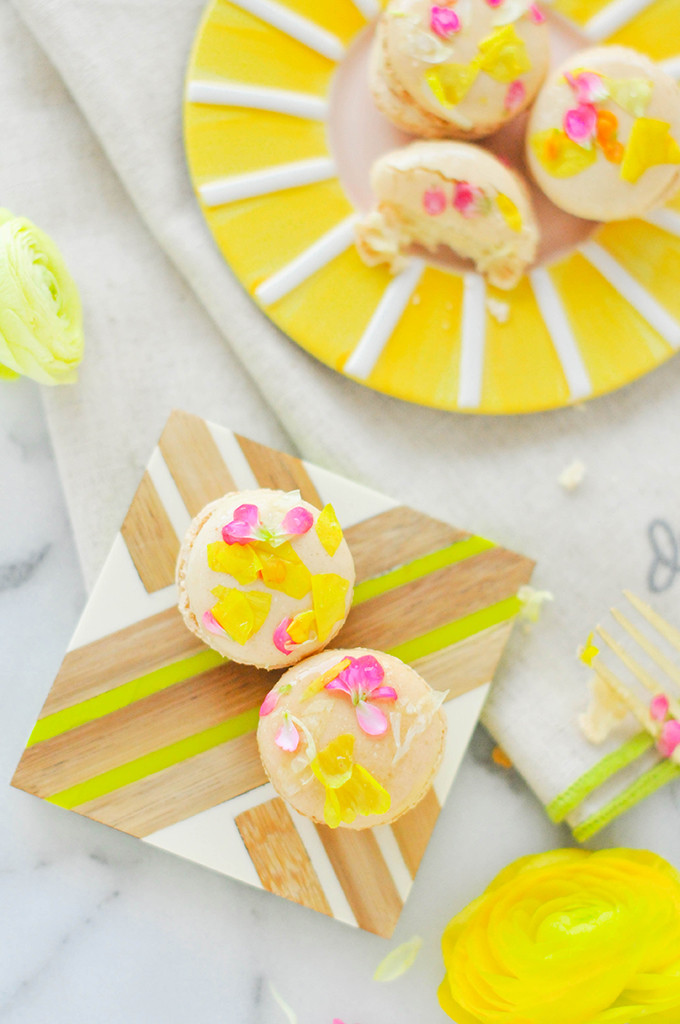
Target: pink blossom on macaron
point(658, 708)
point(536, 14)
point(282, 640)
point(465, 198)
point(269, 703)
point(243, 527)
point(434, 201)
point(297, 521)
point(588, 86)
point(669, 739)
point(211, 624)
point(580, 124)
point(516, 95)
point(287, 737)
point(362, 682)
point(443, 21)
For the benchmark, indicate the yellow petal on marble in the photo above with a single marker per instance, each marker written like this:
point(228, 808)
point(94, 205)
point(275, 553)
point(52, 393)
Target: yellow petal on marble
point(650, 143)
point(509, 211)
point(317, 685)
point(301, 627)
point(334, 764)
point(241, 614)
point(328, 530)
point(560, 156)
point(237, 560)
point(631, 94)
point(284, 570)
point(504, 55)
point(328, 598)
point(451, 83)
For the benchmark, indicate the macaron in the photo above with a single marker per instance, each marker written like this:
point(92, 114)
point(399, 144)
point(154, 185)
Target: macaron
point(264, 577)
point(352, 738)
point(460, 68)
point(603, 139)
point(451, 194)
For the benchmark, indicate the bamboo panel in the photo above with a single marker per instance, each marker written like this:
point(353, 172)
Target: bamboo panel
point(413, 831)
point(364, 877)
point(279, 856)
point(465, 665)
point(194, 460)
point(394, 538)
point(151, 538)
point(279, 471)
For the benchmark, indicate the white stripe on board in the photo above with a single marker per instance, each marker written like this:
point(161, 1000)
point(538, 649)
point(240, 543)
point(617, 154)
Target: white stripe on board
point(307, 263)
point(168, 492)
point(271, 179)
point(568, 352)
point(281, 101)
point(668, 220)
point(369, 8)
point(392, 855)
point(612, 17)
point(634, 293)
point(671, 66)
point(462, 714)
point(328, 880)
point(384, 321)
point(302, 29)
point(473, 342)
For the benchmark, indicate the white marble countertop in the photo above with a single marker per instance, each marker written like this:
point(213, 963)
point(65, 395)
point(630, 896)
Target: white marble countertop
point(99, 927)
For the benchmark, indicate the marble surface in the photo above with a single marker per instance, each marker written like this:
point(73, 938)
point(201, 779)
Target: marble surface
point(98, 927)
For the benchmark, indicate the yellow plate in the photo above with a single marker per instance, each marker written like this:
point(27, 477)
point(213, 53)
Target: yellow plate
point(272, 158)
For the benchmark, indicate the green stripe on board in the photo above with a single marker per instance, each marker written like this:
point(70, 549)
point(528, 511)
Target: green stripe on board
point(567, 801)
point(420, 567)
point(113, 700)
point(643, 787)
point(454, 632)
point(156, 761)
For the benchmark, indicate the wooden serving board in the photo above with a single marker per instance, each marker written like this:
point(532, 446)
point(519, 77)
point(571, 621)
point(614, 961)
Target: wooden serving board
point(149, 731)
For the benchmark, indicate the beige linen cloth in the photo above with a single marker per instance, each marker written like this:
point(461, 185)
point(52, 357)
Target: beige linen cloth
point(168, 325)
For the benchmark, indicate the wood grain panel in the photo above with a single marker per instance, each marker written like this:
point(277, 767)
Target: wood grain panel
point(278, 470)
point(151, 538)
point(279, 856)
point(395, 537)
point(364, 877)
point(195, 461)
point(435, 600)
point(183, 790)
point(140, 728)
point(465, 665)
point(127, 654)
point(413, 830)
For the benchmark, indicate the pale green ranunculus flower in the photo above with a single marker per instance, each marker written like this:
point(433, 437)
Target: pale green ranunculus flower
point(41, 328)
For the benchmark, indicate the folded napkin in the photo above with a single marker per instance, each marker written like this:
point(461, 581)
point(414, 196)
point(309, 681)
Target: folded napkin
point(167, 325)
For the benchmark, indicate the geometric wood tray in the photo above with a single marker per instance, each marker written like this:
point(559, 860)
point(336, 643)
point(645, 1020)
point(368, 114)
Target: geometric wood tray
point(149, 731)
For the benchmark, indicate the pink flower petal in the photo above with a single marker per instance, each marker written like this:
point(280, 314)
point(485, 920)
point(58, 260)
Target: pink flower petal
point(494, 3)
point(339, 684)
point(247, 514)
point(269, 703)
point(536, 14)
point(371, 719)
point(669, 739)
point(588, 86)
point(237, 533)
point(515, 95)
point(371, 669)
point(465, 198)
point(434, 201)
point(384, 693)
point(282, 641)
point(580, 123)
point(211, 624)
point(297, 521)
point(444, 22)
point(658, 708)
point(287, 738)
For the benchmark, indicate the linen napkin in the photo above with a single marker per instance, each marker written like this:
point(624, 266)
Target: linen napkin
point(186, 333)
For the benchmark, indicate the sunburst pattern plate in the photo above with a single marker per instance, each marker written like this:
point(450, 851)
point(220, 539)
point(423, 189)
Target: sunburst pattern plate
point(280, 131)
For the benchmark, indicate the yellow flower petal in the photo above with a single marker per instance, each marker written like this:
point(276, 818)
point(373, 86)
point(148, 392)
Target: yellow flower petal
point(284, 570)
point(328, 530)
point(511, 214)
point(329, 592)
point(333, 765)
point(302, 626)
point(241, 613)
point(631, 94)
point(317, 685)
point(451, 83)
point(650, 143)
point(237, 560)
point(560, 156)
point(589, 652)
point(350, 788)
point(504, 54)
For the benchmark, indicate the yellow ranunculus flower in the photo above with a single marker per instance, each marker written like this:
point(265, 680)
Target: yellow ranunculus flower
point(568, 937)
point(41, 333)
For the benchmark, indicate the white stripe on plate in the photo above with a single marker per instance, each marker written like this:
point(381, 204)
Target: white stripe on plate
point(556, 321)
point(307, 263)
point(671, 66)
point(271, 179)
point(168, 492)
point(233, 94)
point(668, 220)
point(302, 29)
point(633, 292)
point(369, 8)
point(612, 17)
point(389, 847)
point(328, 879)
point(384, 321)
point(233, 456)
point(473, 341)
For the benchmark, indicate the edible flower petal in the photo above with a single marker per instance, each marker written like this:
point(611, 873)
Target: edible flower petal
point(243, 527)
point(451, 83)
point(669, 739)
point(588, 86)
point(282, 638)
point(399, 960)
point(443, 21)
point(606, 135)
point(515, 95)
point(631, 94)
point(589, 652)
point(287, 737)
point(580, 124)
point(211, 624)
point(650, 143)
point(282, 569)
point(536, 14)
point(361, 680)
point(239, 560)
point(318, 684)
point(560, 156)
point(467, 199)
point(434, 201)
point(658, 707)
point(371, 720)
point(329, 592)
point(350, 788)
point(504, 54)
point(297, 522)
point(269, 703)
point(291, 632)
point(509, 212)
point(241, 613)
point(328, 529)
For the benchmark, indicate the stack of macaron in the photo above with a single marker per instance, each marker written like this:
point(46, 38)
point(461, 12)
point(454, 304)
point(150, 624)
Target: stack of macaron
point(351, 738)
point(602, 139)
